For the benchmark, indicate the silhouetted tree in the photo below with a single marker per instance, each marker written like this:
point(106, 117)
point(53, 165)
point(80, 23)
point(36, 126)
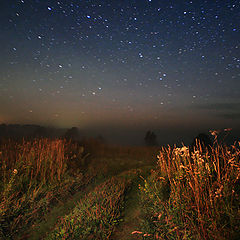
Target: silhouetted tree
point(100, 139)
point(3, 130)
point(150, 138)
point(72, 133)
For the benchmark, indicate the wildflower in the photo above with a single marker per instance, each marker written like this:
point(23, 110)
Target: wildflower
point(181, 151)
point(208, 168)
point(218, 192)
point(184, 151)
point(15, 171)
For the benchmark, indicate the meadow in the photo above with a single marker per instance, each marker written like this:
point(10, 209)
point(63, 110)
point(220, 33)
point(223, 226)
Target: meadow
point(60, 189)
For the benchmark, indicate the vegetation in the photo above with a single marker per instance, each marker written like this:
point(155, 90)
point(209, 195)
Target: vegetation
point(150, 139)
point(96, 215)
point(33, 176)
point(193, 195)
point(60, 189)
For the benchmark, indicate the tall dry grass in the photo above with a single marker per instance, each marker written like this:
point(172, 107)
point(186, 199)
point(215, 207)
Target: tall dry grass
point(194, 195)
point(32, 162)
point(32, 174)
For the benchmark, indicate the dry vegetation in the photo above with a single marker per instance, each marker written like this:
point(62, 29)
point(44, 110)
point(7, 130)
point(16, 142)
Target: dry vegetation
point(34, 175)
point(193, 195)
point(188, 195)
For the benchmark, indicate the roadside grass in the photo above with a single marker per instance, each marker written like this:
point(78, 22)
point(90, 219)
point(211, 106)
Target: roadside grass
point(193, 195)
point(35, 175)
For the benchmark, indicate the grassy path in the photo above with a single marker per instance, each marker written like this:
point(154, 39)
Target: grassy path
point(131, 214)
point(131, 209)
point(130, 217)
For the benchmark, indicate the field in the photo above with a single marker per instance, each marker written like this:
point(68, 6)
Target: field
point(58, 189)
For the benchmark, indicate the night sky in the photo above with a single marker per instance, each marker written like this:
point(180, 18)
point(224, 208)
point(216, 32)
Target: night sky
point(121, 67)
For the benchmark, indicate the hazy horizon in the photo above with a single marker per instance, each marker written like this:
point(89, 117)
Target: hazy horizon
point(123, 135)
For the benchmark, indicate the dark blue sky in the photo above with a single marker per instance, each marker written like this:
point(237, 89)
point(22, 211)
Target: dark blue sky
point(121, 65)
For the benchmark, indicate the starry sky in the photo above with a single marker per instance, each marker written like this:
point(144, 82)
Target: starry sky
point(121, 67)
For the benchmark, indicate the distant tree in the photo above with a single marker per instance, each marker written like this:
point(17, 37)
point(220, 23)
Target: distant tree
point(3, 130)
point(72, 133)
point(150, 138)
point(100, 139)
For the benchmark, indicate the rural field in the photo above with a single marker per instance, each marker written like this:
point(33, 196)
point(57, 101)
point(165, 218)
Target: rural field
point(60, 189)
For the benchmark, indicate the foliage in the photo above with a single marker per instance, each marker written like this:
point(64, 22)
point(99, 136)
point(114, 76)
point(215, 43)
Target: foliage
point(36, 176)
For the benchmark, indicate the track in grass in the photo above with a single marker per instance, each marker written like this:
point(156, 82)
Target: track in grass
point(131, 207)
point(131, 213)
point(62, 209)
